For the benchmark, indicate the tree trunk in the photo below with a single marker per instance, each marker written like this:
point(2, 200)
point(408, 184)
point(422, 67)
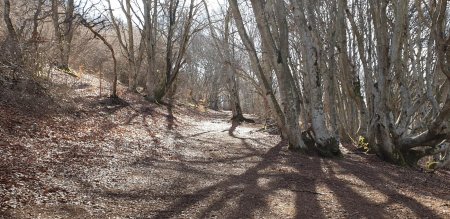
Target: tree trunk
point(278, 58)
point(327, 144)
point(258, 66)
point(35, 38)
point(111, 49)
point(64, 36)
point(229, 70)
point(350, 74)
point(172, 68)
point(150, 26)
point(132, 74)
point(231, 75)
point(9, 25)
point(380, 139)
point(68, 33)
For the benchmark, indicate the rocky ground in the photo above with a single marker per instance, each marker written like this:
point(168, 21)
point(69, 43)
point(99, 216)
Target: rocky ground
point(98, 158)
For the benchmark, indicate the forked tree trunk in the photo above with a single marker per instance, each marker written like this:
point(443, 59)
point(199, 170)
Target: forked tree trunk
point(389, 136)
point(173, 66)
point(351, 81)
point(278, 52)
point(327, 144)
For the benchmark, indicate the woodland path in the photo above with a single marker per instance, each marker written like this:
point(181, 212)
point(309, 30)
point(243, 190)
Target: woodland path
point(136, 160)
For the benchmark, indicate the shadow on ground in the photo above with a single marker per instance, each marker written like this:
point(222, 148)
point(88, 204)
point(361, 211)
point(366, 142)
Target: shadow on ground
point(277, 183)
point(238, 173)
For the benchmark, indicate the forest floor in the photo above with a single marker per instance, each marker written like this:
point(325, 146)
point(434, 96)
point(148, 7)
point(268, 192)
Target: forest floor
point(97, 158)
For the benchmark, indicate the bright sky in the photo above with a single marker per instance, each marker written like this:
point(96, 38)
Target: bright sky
point(212, 4)
point(214, 7)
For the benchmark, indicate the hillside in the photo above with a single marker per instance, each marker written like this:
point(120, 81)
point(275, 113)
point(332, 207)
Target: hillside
point(82, 156)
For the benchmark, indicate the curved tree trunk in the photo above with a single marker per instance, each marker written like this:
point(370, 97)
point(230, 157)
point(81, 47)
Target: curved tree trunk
point(258, 66)
point(113, 56)
point(278, 58)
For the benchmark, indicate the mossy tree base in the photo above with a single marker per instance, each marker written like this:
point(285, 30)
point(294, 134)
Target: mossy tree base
point(407, 158)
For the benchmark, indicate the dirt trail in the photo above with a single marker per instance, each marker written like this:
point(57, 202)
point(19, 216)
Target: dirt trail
point(201, 171)
point(136, 160)
point(194, 170)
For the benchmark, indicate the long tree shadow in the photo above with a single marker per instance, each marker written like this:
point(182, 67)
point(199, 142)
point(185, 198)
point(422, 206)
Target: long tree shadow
point(372, 179)
point(112, 105)
point(250, 198)
point(248, 177)
point(305, 185)
point(350, 200)
point(400, 176)
point(144, 111)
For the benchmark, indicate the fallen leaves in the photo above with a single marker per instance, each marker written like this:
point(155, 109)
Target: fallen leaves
point(133, 159)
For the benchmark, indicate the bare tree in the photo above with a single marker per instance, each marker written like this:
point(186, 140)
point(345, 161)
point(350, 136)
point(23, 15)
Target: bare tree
point(127, 43)
point(150, 27)
point(9, 25)
point(174, 60)
point(228, 67)
point(95, 25)
point(63, 34)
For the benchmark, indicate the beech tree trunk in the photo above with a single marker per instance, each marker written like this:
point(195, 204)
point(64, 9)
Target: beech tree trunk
point(389, 134)
point(64, 35)
point(351, 81)
point(233, 87)
point(278, 52)
point(327, 143)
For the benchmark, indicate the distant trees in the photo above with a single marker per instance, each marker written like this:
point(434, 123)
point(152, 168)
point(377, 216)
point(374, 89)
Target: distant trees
point(126, 41)
point(176, 44)
point(176, 25)
point(223, 48)
point(259, 68)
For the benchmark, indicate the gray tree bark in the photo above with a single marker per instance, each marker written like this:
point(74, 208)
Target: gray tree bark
point(64, 34)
